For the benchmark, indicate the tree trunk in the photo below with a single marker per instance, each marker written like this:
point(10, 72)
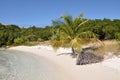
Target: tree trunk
point(78, 59)
point(73, 53)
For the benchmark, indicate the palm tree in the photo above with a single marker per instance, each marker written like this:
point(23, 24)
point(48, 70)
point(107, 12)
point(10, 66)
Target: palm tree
point(69, 32)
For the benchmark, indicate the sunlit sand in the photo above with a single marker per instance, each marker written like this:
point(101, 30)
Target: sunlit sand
point(109, 69)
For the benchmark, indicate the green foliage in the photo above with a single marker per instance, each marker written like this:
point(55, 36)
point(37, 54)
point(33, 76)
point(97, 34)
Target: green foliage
point(104, 29)
point(40, 40)
point(8, 33)
point(117, 36)
point(18, 41)
point(46, 33)
point(31, 38)
point(69, 31)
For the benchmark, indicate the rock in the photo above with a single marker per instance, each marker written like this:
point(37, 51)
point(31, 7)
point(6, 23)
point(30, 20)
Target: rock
point(87, 57)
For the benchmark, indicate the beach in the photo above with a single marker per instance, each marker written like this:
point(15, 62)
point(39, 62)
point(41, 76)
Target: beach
point(18, 65)
point(109, 69)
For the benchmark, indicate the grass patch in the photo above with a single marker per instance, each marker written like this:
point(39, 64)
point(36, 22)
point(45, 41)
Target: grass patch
point(109, 46)
point(31, 43)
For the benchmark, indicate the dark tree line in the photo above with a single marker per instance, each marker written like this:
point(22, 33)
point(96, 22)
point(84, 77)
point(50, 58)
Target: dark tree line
point(13, 34)
point(106, 29)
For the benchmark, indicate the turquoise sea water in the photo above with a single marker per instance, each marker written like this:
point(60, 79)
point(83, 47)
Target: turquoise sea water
point(16, 65)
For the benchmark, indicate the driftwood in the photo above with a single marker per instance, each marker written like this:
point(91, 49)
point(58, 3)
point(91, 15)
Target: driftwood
point(87, 57)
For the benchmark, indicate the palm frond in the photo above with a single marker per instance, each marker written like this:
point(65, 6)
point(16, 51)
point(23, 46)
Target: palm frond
point(66, 29)
point(67, 25)
point(79, 25)
point(67, 19)
point(87, 34)
point(87, 37)
point(75, 43)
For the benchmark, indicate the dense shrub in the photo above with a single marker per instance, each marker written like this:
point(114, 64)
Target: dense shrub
point(117, 36)
point(18, 41)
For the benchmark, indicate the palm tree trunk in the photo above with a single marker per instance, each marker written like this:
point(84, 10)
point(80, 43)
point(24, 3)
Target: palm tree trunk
point(78, 59)
point(73, 53)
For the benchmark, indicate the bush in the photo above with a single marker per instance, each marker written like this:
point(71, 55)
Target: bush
point(31, 38)
point(40, 40)
point(117, 36)
point(18, 41)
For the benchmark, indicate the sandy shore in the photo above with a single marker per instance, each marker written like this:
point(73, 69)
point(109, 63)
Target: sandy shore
point(107, 70)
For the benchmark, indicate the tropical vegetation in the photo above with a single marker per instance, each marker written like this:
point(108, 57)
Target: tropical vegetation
point(105, 29)
point(69, 32)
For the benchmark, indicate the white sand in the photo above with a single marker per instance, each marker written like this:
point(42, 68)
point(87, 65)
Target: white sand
point(106, 70)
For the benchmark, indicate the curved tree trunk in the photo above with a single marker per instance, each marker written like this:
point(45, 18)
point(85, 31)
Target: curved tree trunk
point(78, 59)
point(73, 53)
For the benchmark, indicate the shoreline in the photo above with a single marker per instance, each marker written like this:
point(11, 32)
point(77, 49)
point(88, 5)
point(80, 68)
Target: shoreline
point(98, 71)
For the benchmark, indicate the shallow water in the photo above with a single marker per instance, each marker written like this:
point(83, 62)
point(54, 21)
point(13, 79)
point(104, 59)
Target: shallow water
point(16, 65)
